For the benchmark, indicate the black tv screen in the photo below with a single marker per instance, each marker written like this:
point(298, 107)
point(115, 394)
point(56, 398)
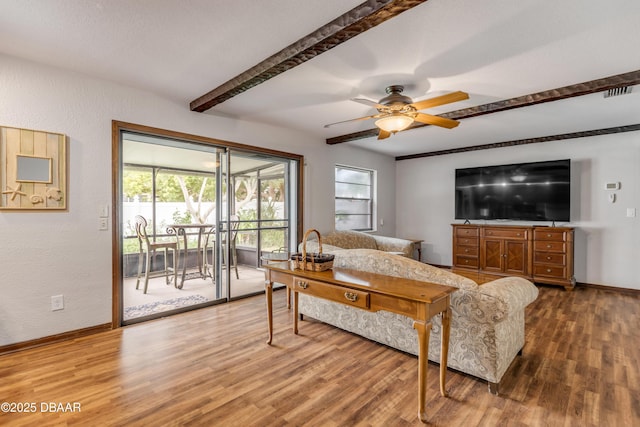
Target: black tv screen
point(537, 191)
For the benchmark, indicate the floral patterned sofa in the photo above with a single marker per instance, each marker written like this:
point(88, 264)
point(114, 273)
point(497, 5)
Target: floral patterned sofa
point(357, 240)
point(487, 324)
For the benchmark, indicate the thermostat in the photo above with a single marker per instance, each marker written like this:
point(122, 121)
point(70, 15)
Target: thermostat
point(612, 186)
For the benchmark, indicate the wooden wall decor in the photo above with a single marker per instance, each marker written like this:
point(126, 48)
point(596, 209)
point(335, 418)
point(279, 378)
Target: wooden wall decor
point(33, 170)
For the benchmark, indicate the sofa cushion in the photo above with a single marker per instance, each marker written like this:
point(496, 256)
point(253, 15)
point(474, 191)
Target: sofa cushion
point(350, 240)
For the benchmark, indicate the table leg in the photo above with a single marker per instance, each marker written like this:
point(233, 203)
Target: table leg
point(295, 312)
point(199, 253)
point(184, 260)
point(268, 290)
point(424, 331)
point(444, 349)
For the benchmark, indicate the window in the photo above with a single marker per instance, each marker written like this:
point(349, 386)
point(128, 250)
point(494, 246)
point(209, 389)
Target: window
point(354, 198)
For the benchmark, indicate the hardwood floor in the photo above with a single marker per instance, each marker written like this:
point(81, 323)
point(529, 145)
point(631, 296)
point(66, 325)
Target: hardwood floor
point(212, 367)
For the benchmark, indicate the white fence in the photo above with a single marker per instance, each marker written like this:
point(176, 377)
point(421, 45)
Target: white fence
point(166, 213)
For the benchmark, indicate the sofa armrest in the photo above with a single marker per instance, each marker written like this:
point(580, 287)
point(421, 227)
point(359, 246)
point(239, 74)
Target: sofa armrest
point(514, 292)
point(493, 302)
point(394, 244)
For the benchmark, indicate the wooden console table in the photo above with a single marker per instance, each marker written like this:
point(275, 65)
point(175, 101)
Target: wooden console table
point(373, 292)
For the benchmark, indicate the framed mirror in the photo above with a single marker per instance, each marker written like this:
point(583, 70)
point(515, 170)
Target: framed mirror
point(33, 170)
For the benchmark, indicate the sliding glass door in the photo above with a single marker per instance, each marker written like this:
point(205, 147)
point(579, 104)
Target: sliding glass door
point(219, 208)
point(260, 215)
point(172, 185)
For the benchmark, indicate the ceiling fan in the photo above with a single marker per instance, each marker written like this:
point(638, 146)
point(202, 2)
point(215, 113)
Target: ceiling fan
point(396, 112)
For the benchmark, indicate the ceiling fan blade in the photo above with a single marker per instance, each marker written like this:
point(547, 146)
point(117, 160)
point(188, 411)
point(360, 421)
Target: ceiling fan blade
point(441, 100)
point(367, 102)
point(428, 119)
point(383, 134)
point(375, 116)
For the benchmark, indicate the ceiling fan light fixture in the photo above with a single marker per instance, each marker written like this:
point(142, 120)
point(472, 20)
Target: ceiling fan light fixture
point(394, 123)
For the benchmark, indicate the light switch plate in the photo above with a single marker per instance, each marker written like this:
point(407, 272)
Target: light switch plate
point(612, 186)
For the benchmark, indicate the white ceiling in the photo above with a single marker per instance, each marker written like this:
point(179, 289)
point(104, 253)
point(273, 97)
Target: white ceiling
point(492, 49)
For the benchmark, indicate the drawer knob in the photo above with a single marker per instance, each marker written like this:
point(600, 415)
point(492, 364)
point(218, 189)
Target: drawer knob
point(466, 261)
point(351, 296)
point(303, 285)
point(548, 235)
point(548, 246)
point(518, 234)
point(548, 270)
point(549, 257)
point(466, 250)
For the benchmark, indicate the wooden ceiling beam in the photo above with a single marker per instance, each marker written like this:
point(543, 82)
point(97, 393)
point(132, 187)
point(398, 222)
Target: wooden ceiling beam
point(600, 85)
point(358, 20)
point(560, 137)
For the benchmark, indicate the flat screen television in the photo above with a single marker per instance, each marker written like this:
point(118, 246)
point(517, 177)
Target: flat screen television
point(538, 191)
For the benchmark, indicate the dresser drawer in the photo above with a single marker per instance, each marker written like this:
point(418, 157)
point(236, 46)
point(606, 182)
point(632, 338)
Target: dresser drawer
point(549, 271)
point(467, 250)
point(470, 262)
point(467, 231)
point(549, 246)
point(554, 235)
point(468, 241)
point(550, 258)
point(506, 233)
point(339, 294)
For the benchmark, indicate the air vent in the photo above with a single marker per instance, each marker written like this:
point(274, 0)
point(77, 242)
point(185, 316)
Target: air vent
point(618, 91)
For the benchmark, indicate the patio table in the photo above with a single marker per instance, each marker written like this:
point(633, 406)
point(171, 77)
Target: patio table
point(180, 230)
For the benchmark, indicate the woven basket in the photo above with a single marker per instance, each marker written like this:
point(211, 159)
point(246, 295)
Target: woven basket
point(312, 261)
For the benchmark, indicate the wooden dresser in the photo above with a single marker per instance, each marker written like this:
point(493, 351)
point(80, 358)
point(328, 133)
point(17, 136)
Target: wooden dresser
point(541, 254)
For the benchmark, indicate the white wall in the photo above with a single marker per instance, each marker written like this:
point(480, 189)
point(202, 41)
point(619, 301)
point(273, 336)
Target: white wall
point(45, 254)
point(319, 187)
point(607, 242)
point(385, 183)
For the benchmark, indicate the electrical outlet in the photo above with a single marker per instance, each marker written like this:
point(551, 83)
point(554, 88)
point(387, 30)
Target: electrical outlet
point(104, 224)
point(57, 302)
